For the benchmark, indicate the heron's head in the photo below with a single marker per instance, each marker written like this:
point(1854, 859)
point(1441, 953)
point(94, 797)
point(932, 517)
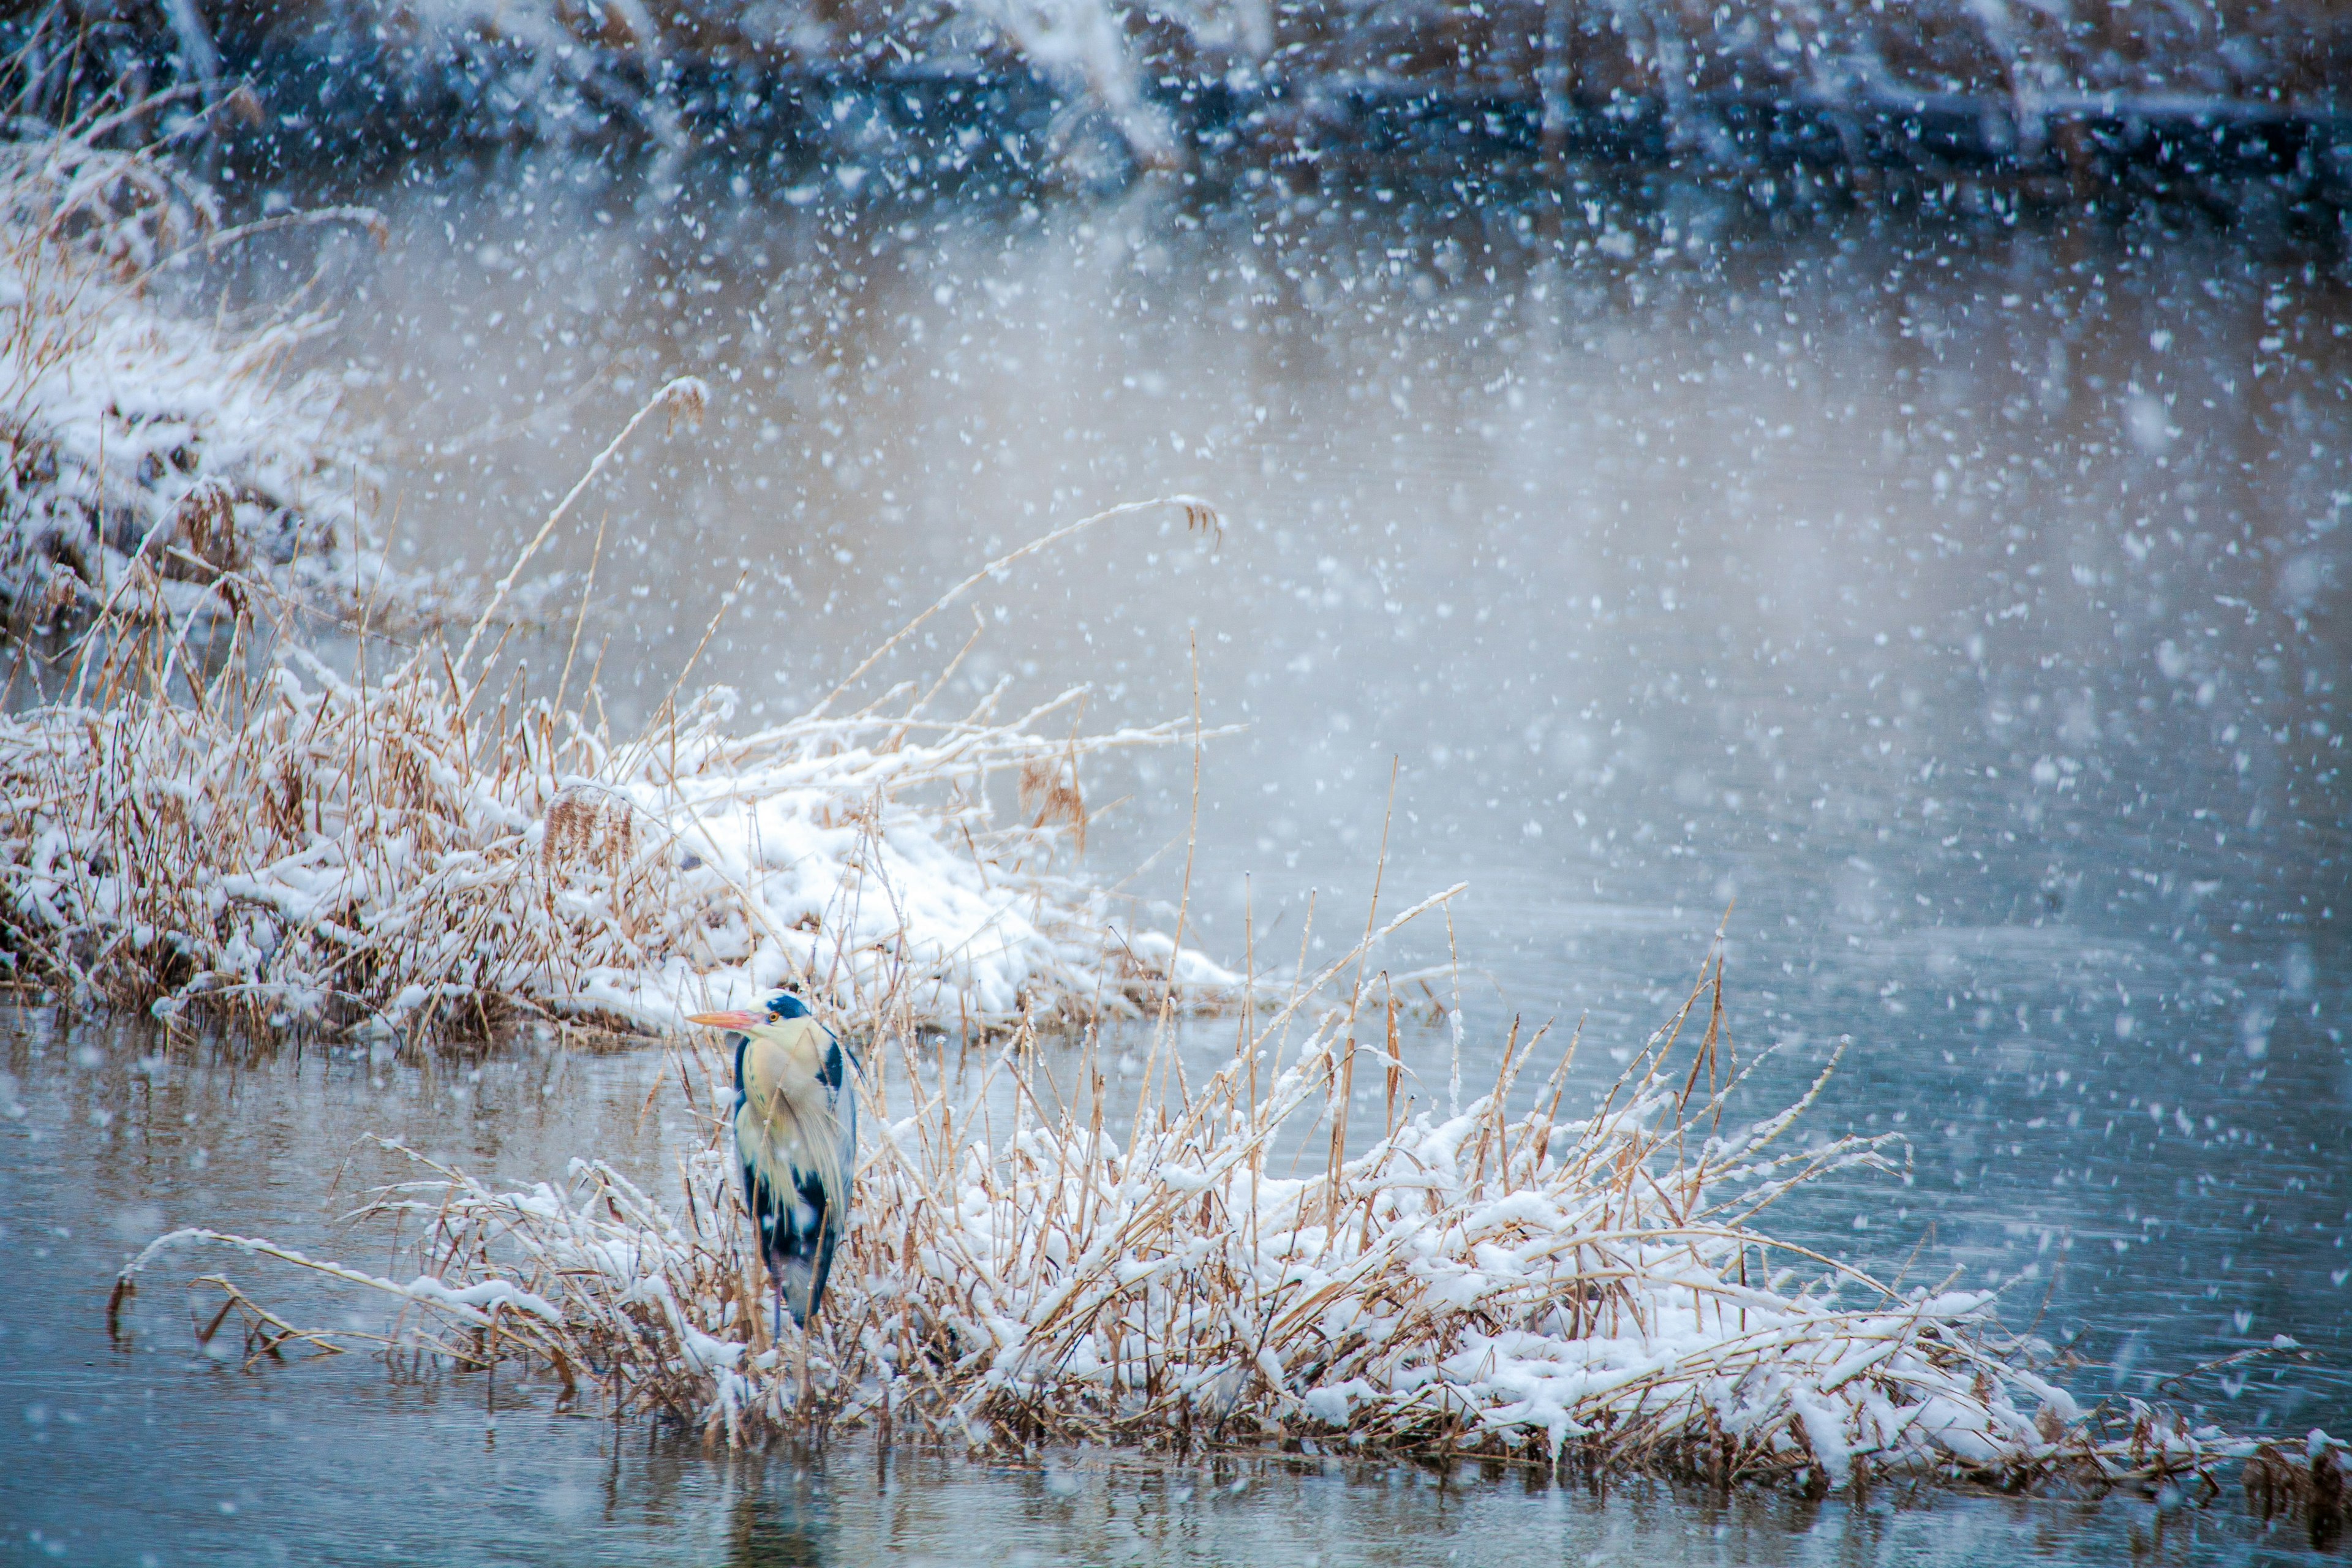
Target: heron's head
point(783, 1007)
point(798, 1051)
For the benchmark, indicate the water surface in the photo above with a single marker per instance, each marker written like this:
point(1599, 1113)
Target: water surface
point(1958, 604)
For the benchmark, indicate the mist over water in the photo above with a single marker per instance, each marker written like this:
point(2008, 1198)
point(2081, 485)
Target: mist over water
point(1729, 539)
point(1951, 612)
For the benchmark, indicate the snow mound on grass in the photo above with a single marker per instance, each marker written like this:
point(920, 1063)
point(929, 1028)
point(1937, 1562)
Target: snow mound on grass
point(403, 849)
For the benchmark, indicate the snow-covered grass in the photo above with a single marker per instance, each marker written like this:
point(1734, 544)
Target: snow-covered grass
point(153, 461)
point(1513, 1284)
point(413, 841)
point(201, 811)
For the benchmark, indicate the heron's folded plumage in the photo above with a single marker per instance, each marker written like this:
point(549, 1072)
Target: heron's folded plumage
point(796, 1140)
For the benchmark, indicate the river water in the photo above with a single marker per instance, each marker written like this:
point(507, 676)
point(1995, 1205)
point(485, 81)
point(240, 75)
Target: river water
point(1951, 608)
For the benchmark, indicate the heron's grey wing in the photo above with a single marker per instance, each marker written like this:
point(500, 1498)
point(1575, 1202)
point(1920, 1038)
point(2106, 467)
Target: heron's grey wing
point(843, 1098)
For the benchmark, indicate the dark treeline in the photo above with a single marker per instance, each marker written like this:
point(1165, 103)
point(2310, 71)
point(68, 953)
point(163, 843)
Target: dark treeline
point(2196, 98)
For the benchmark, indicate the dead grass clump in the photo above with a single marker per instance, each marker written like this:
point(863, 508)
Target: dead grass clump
point(1522, 1287)
point(2315, 1490)
point(257, 833)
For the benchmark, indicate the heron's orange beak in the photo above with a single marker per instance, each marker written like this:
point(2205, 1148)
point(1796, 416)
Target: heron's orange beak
point(727, 1020)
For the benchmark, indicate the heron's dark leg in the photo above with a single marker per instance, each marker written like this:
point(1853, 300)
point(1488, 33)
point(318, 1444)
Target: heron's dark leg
point(778, 1282)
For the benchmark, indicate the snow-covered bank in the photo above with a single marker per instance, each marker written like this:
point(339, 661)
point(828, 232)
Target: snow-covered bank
point(155, 463)
point(419, 843)
point(1516, 1285)
point(229, 821)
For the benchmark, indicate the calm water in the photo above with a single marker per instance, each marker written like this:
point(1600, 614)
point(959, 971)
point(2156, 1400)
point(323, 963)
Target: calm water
point(1960, 603)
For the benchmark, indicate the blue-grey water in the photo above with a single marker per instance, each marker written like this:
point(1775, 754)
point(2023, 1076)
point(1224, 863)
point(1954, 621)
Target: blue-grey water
point(1959, 602)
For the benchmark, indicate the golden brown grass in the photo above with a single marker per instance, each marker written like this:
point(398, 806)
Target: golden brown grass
point(1509, 1284)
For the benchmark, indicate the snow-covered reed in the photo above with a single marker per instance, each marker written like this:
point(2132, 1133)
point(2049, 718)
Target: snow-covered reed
point(1518, 1285)
point(415, 841)
point(153, 461)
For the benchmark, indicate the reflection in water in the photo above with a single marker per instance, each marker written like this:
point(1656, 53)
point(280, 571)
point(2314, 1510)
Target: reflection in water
point(1968, 607)
point(763, 1533)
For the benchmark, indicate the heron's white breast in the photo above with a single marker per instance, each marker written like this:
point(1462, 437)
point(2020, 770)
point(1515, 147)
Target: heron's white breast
point(785, 1063)
point(773, 1144)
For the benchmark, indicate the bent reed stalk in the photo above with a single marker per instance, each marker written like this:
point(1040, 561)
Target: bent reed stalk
point(1521, 1288)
